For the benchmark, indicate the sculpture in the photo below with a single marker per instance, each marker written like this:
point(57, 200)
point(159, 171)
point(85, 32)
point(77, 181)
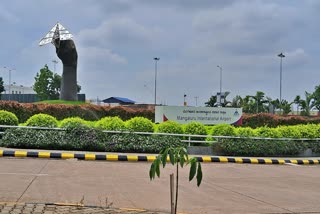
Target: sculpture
point(61, 38)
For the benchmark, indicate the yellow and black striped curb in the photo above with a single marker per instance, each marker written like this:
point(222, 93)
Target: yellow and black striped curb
point(132, 158)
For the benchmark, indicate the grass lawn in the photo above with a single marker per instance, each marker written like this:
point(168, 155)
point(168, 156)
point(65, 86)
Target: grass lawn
point(62, 102)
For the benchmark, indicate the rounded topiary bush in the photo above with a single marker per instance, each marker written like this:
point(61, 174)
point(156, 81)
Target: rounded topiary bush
point(223, 130)
point(267, 132)
point(170, 127)
point(140, 124)
point(8, 118)
point(244, 132)
point(195, 128)
point(42, 120)
point(72, 122)
point(111, 123)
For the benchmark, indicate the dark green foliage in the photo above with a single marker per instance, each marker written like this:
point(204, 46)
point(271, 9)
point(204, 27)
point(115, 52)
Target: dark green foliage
point(111, 123)
point(140, 143)
point(8, 118)
point(42, 120)
point(85, 138)
point(140, 124)
point(260, 148)
point(1, 87)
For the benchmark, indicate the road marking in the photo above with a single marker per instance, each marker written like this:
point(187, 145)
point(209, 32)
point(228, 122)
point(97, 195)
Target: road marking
point(13, 173)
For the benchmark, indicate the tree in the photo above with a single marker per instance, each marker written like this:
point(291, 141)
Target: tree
point(177, 156)
point(307, 104)
point(1, 87)
point(297, 100)
point(260, 101)
point(237, 102)
point(286, 107)
point(212, 102)
point(48, 84)
point(316, 95)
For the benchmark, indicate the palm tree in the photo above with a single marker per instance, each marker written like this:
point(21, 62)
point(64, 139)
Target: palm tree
point(297, 100)
point(260, 100)
point(237, 102)
point(307, 104)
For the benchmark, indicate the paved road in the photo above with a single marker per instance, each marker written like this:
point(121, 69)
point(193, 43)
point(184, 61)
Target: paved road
point(226, 188)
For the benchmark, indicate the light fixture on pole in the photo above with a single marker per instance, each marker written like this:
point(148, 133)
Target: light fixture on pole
point(281, 55)
point(155, 80)
point(55, 62)
point(9, 69)
point(220, 84)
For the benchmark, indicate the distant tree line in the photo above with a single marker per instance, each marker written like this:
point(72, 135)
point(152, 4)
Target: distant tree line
point(261, 103)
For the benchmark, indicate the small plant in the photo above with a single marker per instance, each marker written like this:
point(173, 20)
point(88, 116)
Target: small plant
point(223, 130)
point(8, 118)
point(42, 120)
point(170, 127)
point(72, 122)
point(111, 123)
point(140, 124)
point(177, 156)
point(195, 128)
point(244, 132)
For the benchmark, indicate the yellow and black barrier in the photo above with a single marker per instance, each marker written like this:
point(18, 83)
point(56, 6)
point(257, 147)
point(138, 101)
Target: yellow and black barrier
point(132, 158)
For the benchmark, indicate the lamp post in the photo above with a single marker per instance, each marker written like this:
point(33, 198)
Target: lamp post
point(281, 55)
point(220, 84)
point(155, 80)
point(55, 62)
point(9, 69)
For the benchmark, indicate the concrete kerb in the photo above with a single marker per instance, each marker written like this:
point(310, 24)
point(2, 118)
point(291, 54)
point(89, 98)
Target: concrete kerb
point(146, 158)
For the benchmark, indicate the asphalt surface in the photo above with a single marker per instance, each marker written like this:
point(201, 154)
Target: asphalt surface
point(113, 187)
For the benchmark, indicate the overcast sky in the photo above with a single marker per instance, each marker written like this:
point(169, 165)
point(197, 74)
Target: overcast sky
point(117, 40)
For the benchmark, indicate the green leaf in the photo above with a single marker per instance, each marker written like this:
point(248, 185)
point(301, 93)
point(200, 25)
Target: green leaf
point(157, 167)
point(171, 154)
point(182, 159)
point(193, 169)
point(152, 171)
point(199, 174)
point(164, 157)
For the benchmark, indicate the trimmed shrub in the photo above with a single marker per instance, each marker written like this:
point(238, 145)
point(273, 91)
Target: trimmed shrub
point(111, 123)
point(261, 148)
point(267, 132)
point(195, 128)
point(244, 132)
point(72, 122)
point(170, 127)
point(308, 131)
point(289, 132)
point(42, 120)
point(223, 130)
point(140, 124)
point(85, 138)
point(8, 118)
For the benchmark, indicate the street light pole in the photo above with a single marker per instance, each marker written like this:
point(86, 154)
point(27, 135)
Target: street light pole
point(155, 80)
point(54, 65)
point(281, 55)
point(220, 84)
point(9, 69)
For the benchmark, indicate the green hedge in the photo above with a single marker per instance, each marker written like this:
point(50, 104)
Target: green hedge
point(85, 138)
point(8, 118)
point(262, 148)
